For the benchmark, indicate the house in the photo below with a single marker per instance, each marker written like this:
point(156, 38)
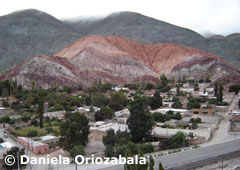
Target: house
point(236, 116)
point(88, 109)
point(58, 114)
point(34, 146)
point(203, 111)
point(49, 139)
point(98, 132)
point(122, 113)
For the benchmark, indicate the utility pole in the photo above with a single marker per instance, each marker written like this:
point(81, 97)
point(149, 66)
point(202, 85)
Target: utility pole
point(18, 161)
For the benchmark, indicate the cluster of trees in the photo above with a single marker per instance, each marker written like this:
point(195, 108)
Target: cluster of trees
point(218, 92)
point(195, 122)
point(176, 103)
point(194, 102)
point(74, 130)
point(176, 141)
point(159, 117)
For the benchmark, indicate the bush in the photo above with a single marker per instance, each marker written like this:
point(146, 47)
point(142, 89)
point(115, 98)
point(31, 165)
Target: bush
point(109, 151)
point(5, 119)
point(57, 107)
point(146, 148)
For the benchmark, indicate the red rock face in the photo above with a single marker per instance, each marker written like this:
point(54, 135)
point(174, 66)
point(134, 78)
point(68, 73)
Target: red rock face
point(116, 60)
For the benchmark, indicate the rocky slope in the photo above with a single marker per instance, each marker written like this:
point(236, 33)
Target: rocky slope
point(116, 60)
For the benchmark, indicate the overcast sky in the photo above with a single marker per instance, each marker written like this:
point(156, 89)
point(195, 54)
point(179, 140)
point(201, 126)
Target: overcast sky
point(212, 16)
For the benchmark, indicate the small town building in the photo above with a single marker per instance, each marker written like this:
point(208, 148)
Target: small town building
point(58, 114)
point(236, 116)
point(34, 146)
point(122, 113)
point(49, 139)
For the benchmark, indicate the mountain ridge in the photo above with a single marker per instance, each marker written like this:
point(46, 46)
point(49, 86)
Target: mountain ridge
point(119, 60)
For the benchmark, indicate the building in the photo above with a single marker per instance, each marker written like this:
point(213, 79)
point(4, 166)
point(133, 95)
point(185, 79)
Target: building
point(34, 146)
point(203, 111)
point(88, 109)
point(165, 110)
point(236, 116)
point(99, 131)
point(49, 139)
point(57, 114)
point(122, 113)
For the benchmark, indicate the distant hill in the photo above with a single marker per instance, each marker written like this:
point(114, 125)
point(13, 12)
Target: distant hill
point(26, 33)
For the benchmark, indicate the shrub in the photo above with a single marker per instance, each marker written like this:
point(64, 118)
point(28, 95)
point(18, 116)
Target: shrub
point(5, 119)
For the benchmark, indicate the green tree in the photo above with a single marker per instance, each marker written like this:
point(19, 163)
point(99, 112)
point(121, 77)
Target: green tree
point(104, 113)
point(156, 101)
point(164, 80)
point(151, 163)
point(140, 122)
point(41, 108)
point(77, 150)
point(176, 103)
point(16, 153)
point(234, 88)
point(160, 166)
point(220, 94)
point(74, 130)
point(149, 86)
point(109, 151)
point(110, 138)
point(118, 101)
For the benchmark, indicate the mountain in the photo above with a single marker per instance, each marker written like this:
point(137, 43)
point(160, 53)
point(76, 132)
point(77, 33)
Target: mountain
point(117, 60)
point(136, 26)
point(148, 30)
point(31, 32)
point(27, 33)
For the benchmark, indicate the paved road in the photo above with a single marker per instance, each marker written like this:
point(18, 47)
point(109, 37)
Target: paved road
point(193, 155)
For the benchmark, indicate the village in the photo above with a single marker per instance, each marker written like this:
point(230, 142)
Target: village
point(191, 110)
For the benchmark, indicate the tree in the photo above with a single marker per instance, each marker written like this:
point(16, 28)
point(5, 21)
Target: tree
point(140, 122)
point(160, 166)
point(158, 117)
point(16, 153)
point(118, 101)
point(110, 138)
point(149, 86)
point(40, 108)
point(77, 150)
point(99, 100)
point(131, 153)
point(156, 101)
point(164, 80)
point(109, 151)
point(234, 88)
point(74, 130)
point(104, 113)
point(151, 163)
point(57, 107)
point(220, 94)
point(176, 103)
